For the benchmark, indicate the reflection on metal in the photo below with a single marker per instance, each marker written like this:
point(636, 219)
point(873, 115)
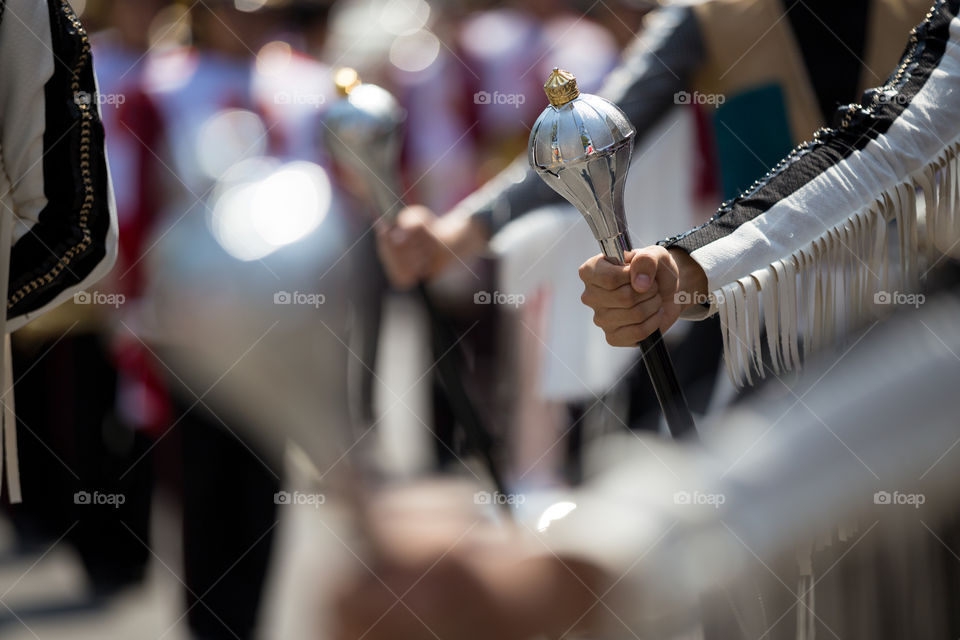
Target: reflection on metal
point(581, 146)
point(561, 87)
point(363, 133)
point(346, 80)
point(554, 512)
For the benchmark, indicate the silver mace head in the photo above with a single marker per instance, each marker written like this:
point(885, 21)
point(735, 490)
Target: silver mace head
point(364, 133)
point(581, 146)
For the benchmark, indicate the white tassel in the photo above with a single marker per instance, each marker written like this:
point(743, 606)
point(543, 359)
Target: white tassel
point(740, 304)
point(10, 426)
point(839, 274)
point(8, 423)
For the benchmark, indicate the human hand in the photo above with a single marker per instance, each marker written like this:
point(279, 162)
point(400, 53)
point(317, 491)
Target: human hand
point(632, 301)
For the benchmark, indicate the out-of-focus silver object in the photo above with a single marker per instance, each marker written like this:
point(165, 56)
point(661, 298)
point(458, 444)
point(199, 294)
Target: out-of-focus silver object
point(250, 309)
point(581, 146)
point(364, 132)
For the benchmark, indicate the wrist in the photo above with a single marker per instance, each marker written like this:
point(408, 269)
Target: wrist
point(461, 236)
point(692, 279)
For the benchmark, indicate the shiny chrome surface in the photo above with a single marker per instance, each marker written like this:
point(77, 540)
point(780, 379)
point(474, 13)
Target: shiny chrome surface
point(582, 149)
point(364, 133)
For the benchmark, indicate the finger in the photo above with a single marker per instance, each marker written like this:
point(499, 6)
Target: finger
point(631, 335)
point(611, 319)
point(601, 273)
point(624, 297)
point(644, 266)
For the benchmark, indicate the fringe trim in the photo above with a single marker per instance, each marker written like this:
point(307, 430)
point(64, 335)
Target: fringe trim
point(825, 290)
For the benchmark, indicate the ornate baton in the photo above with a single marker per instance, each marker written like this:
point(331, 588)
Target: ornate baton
point(581, 146)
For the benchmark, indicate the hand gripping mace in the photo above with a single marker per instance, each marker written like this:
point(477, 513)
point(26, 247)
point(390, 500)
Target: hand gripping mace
point(364, 131)
point(581, 146)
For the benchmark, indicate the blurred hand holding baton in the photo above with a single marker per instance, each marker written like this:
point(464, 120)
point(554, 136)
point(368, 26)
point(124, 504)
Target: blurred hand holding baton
point(363, 133)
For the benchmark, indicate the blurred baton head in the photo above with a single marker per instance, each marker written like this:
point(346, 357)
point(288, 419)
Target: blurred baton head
point(363, 133)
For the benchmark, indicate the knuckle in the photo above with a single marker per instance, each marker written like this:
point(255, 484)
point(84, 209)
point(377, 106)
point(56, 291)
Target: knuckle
point(624, 297)
point(589, 298)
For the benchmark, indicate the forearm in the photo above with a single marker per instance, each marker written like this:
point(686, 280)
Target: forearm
point(463, 236)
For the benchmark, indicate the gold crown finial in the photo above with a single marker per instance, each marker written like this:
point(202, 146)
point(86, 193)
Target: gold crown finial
point(346, 79)
point(561, 87)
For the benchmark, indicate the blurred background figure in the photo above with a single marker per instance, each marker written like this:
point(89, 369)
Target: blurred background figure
point(84, 440)
point(236, 105)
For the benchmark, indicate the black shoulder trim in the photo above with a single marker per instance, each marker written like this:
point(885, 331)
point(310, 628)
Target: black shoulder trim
point(859, 125)
point(69, 239)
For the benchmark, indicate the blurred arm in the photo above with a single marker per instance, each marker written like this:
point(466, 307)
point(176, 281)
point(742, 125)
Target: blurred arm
point(57, 188)
point(655, 67)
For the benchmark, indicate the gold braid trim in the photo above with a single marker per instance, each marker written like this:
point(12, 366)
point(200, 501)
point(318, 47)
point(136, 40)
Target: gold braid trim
point(86, 125)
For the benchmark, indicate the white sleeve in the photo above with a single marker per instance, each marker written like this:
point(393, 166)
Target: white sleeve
point(64, 230)
point(806, 248)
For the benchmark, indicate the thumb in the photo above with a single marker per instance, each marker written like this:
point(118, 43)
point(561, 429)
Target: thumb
point(643, 269)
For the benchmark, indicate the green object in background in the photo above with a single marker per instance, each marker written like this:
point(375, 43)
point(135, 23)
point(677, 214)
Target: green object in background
point(753, 135)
